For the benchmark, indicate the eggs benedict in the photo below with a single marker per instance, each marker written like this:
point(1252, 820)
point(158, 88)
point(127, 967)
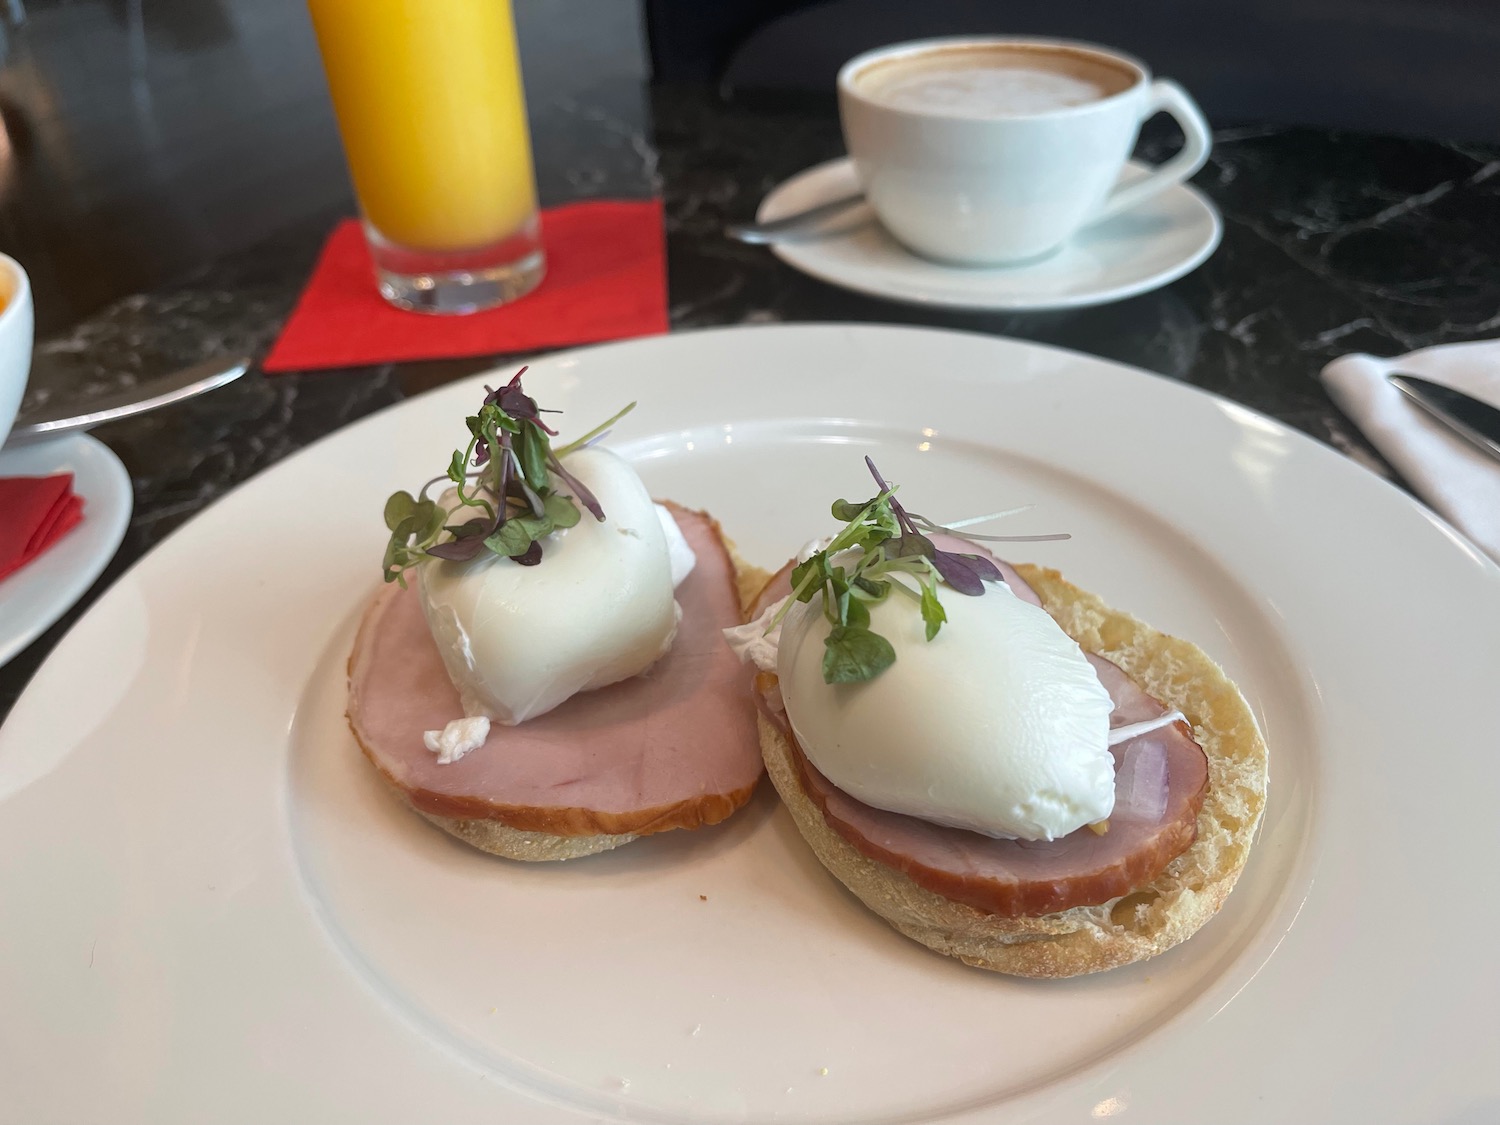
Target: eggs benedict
point(993, 760)
point(550, 682)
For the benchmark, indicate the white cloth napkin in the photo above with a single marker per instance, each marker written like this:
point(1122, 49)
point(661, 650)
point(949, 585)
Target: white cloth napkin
point(1460, 482)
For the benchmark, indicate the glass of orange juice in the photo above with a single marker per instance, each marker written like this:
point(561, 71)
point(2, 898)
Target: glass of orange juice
point(431, 109)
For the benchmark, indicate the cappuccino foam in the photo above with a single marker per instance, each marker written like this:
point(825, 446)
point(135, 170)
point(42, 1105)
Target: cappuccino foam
point(993, 83)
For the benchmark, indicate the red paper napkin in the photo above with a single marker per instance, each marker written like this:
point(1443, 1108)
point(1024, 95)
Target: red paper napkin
point(606, 280)
point(35, 512)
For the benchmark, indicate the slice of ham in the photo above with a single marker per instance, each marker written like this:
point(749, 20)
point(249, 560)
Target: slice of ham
point(1021, 878)
point(676, 747)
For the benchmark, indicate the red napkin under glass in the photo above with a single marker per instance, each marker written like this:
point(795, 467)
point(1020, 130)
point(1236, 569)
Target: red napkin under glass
point(606, 280)
point(35, 512)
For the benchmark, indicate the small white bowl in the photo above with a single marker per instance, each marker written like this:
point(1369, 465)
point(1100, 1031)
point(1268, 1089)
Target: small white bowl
point(15, 340)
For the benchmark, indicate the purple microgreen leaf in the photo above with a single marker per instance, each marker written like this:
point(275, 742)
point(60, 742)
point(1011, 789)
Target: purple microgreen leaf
point(512, 399)
point(494, 395)
point(986, 567)
point(958, 574)
point(580, 493)
point(502, 485)
point(532, 555)
point(457, 550)
point(910, 544)
point(473, 531)
point(476, 528)
point(965, 573)
point(900, 513)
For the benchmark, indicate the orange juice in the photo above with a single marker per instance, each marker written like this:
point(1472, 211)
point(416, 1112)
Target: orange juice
point(430, 105)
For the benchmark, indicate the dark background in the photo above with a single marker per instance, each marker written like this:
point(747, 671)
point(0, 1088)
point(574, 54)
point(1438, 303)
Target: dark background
point(1421, 67)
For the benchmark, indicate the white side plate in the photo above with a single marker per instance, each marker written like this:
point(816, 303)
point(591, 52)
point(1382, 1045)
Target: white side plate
point(38, 594)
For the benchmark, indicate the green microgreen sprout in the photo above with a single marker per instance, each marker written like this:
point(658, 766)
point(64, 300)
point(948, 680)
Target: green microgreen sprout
point(860, 565)
point(508, 480)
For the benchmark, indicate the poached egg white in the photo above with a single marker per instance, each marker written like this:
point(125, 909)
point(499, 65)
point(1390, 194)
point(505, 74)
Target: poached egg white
point(998, 725)
point(517, 641)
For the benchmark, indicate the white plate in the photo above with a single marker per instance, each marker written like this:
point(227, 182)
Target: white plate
point(214, 911)
point(35, 596)
point(1144, 249)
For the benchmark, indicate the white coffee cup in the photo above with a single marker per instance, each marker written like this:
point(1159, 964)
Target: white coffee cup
point(992, 151)
point(15, 339)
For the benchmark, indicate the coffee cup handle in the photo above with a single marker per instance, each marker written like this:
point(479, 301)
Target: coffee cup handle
point(1165, 97)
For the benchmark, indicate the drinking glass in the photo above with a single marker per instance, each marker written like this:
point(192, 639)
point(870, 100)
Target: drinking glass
point(433, 117)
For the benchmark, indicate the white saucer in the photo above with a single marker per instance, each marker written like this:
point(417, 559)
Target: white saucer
point(39, 593)
point(1156, 243)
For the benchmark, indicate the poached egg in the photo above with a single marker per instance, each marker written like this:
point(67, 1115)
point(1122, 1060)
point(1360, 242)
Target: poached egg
point(998, 725)
point(519, 640)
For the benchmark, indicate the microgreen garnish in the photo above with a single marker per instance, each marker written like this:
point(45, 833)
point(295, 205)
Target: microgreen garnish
point(504, 482)
point(884, 540)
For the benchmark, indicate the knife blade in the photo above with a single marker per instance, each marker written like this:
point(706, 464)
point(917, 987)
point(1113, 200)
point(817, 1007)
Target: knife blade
point(151, 394)
point(1476, 422)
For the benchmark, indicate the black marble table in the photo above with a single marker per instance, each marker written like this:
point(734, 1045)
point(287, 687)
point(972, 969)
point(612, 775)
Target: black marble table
point(1333, 243)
